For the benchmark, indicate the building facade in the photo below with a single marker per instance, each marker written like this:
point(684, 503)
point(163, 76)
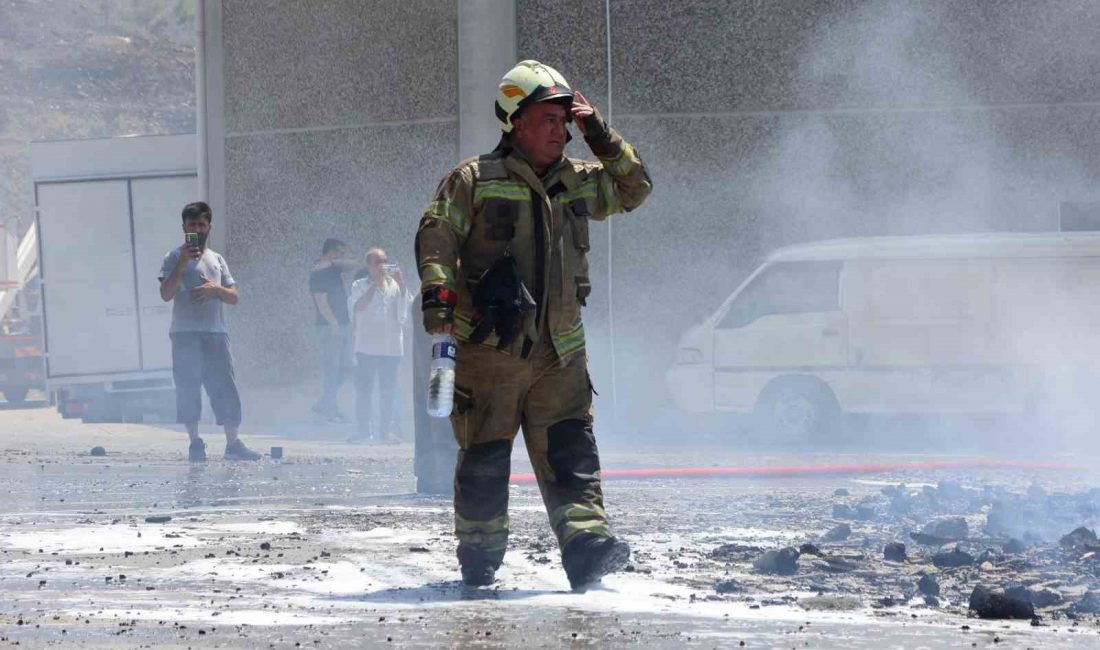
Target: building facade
point(764, 124)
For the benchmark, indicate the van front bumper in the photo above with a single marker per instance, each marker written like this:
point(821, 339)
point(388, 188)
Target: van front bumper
point(692, 387)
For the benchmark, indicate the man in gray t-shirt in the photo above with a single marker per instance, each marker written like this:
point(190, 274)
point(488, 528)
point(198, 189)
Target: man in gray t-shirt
point(197, 315)
point(197, 281)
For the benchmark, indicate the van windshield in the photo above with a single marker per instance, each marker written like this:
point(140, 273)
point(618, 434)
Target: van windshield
point(787, 288)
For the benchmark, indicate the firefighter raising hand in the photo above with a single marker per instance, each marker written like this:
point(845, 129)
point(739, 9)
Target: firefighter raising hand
point(515, 363)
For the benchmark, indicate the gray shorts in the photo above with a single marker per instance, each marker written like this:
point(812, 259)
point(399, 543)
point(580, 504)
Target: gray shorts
point(203, 359)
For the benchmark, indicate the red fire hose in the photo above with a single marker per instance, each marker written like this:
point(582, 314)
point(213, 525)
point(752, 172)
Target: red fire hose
point(789, 471)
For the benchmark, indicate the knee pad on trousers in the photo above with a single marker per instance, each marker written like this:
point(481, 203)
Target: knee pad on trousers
point(481, 480)
point(571, 450)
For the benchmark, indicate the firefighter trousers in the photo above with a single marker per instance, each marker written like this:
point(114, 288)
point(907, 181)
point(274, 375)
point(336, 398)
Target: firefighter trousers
point(496, 394)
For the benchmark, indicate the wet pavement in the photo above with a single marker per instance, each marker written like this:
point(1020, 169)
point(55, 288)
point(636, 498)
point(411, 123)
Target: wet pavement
point(329, 548)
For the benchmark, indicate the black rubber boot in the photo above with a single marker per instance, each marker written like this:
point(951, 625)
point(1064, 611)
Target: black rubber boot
point(478, 575)
point(587, 558)
point(479, 569)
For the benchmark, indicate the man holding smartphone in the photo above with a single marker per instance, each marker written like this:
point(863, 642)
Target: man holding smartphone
point(379, 306)
point(197, 281)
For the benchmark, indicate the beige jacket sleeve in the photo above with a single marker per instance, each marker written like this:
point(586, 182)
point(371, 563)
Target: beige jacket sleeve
point(623, 183)
point(442, 232)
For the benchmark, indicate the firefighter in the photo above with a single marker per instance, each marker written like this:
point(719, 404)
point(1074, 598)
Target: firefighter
point(501, 252)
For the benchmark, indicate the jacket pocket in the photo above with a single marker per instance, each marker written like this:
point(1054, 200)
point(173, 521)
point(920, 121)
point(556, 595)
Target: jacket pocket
point(462, 416)
point(578, 220)
point(500, 219)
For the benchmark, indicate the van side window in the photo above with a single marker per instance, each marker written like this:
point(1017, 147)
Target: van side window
point(787, 288)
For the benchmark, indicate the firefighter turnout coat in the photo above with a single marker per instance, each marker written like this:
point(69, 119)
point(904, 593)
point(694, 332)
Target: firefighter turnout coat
point(495, 204)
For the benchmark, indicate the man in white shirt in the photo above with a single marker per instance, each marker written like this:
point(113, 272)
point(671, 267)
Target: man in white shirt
point(379, 307)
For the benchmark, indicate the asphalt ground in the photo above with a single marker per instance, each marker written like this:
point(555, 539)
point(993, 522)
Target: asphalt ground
point(330, 548)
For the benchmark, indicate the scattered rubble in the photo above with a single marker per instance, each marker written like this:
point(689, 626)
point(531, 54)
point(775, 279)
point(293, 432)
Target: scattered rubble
point(954, 549)
point(1040, 598)
point(809, 549)
point(843, 511)
point(873, 562)
point(952, 559)
point(1088, 604)
point(894, 552)
point(781, 562)
point(1079, 539)
point(928, 585)
point(865, 513)
point(988, 603)
point(836, 564)
point(830, 603)
point(734, 552)
point(949, 528)
point(837, 533)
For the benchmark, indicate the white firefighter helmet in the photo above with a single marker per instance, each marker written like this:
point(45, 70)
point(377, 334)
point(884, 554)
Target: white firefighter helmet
point(527, 83)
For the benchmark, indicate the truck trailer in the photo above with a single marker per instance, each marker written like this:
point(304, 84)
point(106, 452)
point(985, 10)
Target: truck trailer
point(107, 212)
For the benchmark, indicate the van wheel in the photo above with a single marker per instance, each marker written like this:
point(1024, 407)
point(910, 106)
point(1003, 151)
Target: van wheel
point(796, 409)
point(16, 395)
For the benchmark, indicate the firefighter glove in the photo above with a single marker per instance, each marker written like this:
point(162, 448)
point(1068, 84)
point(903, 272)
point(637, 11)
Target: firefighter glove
point(438, 304)
point(500, 302)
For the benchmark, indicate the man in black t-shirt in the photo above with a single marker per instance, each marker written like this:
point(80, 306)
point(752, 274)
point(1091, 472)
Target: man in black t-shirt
point(330, 299)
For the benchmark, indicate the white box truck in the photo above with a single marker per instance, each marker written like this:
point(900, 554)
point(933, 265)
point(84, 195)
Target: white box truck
point(107, 211)
point(967, 324)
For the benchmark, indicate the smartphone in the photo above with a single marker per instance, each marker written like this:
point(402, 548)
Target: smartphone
point(192, 238)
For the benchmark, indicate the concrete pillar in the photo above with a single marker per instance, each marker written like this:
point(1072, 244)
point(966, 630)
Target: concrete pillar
point(486, 50)
point(210, 91)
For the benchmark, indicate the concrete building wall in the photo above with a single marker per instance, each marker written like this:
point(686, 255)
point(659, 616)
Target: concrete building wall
point(767, 124)
point(764, 124)
point(339, 118)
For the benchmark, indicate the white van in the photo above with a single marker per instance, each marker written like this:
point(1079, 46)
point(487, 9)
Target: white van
point(974, 324)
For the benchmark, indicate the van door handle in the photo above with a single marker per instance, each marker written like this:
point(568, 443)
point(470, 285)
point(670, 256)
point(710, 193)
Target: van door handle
point(829, 331)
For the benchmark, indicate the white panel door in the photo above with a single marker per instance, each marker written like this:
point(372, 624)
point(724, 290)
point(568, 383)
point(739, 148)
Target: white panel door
point(88, 268)
point(157, 205)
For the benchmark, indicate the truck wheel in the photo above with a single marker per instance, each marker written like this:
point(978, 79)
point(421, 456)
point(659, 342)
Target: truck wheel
point(16, 395)
point(796, 409)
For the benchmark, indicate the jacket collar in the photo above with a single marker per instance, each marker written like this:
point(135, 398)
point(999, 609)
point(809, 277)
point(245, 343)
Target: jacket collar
point(517, 163)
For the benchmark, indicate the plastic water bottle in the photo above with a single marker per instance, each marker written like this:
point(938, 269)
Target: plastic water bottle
point(441, 381)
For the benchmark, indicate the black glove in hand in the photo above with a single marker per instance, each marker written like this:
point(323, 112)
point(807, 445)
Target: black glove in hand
point(501, 301)
point(598, 135)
